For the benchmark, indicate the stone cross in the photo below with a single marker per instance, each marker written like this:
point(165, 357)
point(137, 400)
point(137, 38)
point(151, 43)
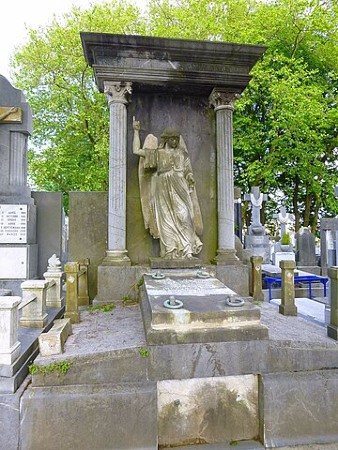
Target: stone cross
point(284, 219)
point(256, 198)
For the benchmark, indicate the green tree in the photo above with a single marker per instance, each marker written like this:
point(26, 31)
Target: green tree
point(285, 132)
point(70, 139)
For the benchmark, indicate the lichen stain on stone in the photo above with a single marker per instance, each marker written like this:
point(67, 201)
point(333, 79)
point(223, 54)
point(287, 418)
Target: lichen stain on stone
point(209, 411)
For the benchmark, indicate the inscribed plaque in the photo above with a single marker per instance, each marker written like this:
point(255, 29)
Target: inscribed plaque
point(13, 224)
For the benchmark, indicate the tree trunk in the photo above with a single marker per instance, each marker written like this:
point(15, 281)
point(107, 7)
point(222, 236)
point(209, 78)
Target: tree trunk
point(295, 204)
point(307, 211)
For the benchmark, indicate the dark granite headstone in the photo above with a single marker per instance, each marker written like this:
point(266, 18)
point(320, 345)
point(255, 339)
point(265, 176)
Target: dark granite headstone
point(306, 247)
point(88, 231)
point(50, 223)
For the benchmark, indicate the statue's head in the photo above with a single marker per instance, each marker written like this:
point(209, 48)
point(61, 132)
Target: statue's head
point(172, 136)
point(170, 132)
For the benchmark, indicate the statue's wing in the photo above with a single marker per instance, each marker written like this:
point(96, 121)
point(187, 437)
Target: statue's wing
point(145, 179)
point(198, 221)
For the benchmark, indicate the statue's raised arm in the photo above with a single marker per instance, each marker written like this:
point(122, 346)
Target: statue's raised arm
point(136, 142)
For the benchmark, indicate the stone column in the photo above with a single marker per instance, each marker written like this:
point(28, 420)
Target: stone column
point(222, 101)
point(256, 278)
point(287, 306)
point(83, 282)
point(72, 304)
point(332, 329)
point(10, 347)
point(117, 95)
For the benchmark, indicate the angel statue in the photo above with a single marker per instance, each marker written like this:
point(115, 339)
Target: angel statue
point(169, 202)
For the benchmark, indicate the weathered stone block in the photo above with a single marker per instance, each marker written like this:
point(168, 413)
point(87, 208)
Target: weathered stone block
point(300, 408)
point(207, 410)
point(125, 417)
point(52, 343)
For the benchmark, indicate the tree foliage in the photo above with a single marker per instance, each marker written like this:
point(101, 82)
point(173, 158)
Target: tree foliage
point(285, 124)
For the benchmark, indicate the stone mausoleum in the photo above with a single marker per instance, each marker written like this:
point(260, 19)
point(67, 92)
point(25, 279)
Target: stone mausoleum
point(187, 85)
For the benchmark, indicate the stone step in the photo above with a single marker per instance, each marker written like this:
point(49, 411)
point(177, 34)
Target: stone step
point(238, 445)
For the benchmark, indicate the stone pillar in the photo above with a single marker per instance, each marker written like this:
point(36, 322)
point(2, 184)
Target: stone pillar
point(72, 306)
point(54, 275)
point(222, 101)
point(117, 95)
point(332, 329)
point(83, 283)
point(256, 278)
point(287, 306)
point(34, 314)
point(10, 347)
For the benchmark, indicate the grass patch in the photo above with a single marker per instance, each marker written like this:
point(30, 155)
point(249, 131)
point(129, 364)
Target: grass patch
point(61, 368)
point(144, 352)
point(104, 308)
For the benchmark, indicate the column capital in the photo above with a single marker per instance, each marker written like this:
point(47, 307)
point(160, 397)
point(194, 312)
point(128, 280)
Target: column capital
point(222, 98)
point(117, 91)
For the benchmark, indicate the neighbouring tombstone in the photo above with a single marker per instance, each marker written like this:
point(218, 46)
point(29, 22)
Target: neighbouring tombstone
point(283, 251)
point(283, 219)
point(305, 247)
point(50, 226)
point(88, 220)
point(328, 243)
point(18, 247)
point(238, 213)
point(332, 329)
point(256, 241)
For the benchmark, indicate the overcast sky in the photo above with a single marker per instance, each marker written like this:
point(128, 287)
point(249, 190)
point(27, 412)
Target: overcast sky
point(18, 15)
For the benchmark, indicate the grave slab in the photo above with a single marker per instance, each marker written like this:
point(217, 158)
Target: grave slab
point(204, 315)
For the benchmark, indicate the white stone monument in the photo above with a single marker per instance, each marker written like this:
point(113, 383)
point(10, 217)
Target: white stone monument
point(256, 241)
point(283, 252)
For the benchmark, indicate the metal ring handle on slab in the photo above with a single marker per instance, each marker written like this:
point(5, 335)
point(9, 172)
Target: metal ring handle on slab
point(173, 303)
point(201, 274)
point(234, 301)
point(157, 276)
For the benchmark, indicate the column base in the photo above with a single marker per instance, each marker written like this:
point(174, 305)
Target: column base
point(73, 316)
point(227, 257)
point(10, 355)
point(34, 322)
point(332, 332)
point(55, 303)
point(288, 310)
point(116, 258)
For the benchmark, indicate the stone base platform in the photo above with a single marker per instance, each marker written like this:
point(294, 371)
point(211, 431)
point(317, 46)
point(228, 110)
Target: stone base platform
point(204, 315)
point(115, 283)
point(161, 263)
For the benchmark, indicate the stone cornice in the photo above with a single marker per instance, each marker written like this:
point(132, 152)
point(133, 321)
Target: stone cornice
point(176, 65)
